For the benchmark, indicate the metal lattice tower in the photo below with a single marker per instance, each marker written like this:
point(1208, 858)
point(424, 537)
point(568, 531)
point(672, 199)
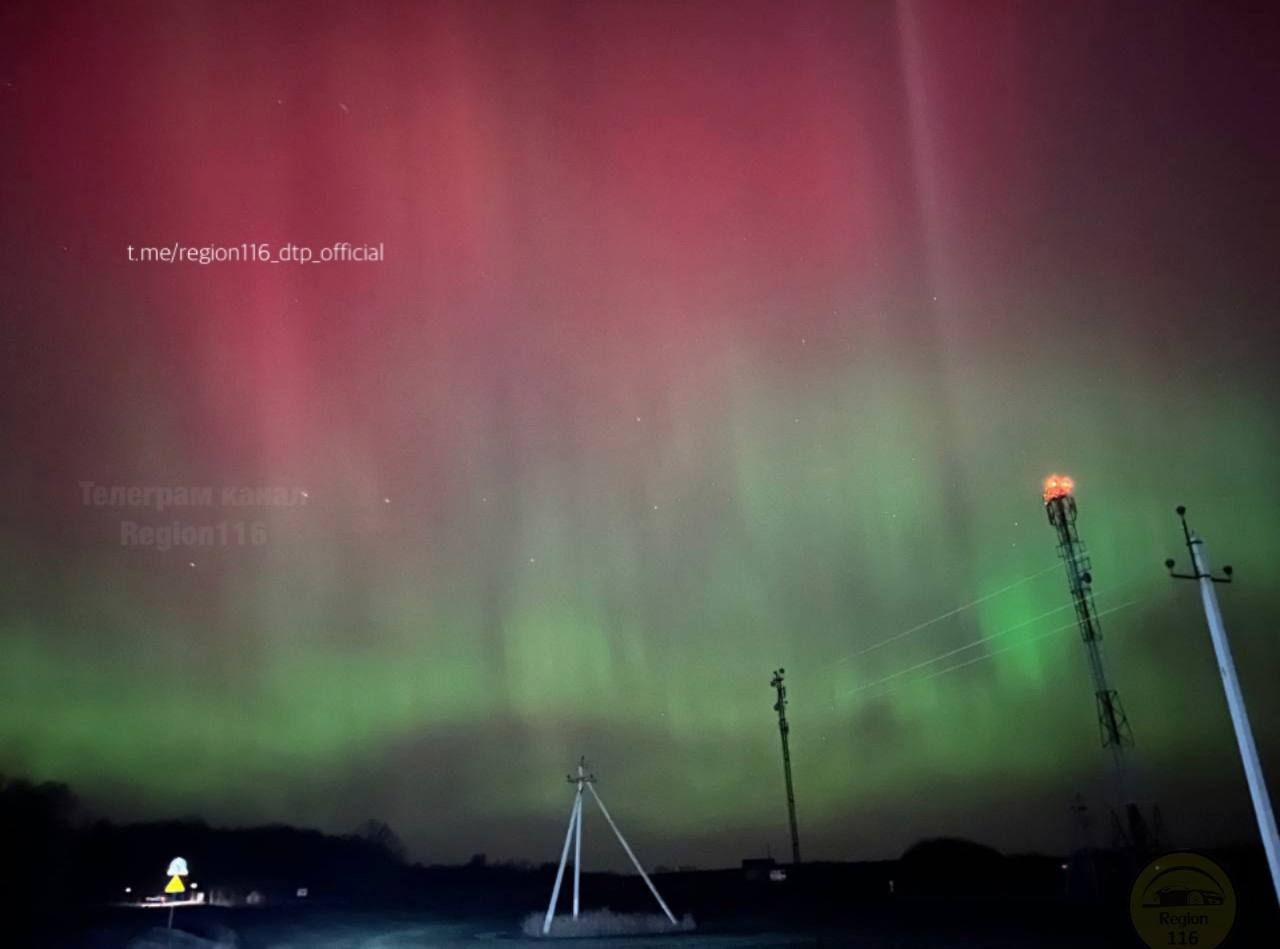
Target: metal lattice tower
point(784, 729)
point(1060, 505)
point(1113, 724)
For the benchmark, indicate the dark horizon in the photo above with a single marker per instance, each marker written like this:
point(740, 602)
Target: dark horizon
point(1229, 825)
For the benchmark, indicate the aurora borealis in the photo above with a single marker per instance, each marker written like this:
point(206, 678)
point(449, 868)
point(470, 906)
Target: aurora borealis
point(710, 338)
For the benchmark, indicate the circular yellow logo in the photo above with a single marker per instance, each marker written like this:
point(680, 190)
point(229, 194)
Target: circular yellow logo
point(1182, 899)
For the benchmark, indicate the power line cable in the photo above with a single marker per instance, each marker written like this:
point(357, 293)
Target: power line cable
point(992, 655)
point(970, 645)
point(959, 649)
point(950, 613)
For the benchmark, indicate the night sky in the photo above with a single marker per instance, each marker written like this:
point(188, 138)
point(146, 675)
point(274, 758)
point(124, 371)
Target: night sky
point(709, 338)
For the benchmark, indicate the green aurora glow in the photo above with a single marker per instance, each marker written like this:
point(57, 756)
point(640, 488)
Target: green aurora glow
point(659, 403)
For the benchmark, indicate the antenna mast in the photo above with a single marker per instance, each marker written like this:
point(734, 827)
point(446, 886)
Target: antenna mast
point(784, 729)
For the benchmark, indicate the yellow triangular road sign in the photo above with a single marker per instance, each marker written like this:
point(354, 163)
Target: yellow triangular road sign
point(175, 885)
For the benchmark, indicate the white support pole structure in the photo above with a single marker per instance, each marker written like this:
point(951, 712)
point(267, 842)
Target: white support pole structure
point(577, 847)
point(574, 834)
point(622, 840)
point(1239, 716)
point(575, 819)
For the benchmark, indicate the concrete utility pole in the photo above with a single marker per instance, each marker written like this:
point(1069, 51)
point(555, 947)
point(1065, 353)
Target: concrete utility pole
point(781, 708)
point(585, 782)
point(1235, 697)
